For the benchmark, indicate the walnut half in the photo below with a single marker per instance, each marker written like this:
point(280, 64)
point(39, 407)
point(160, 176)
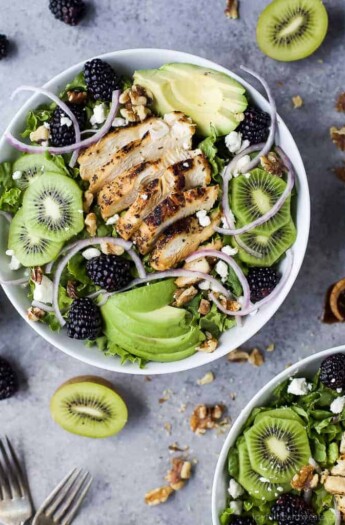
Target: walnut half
point(205, 418)
point(158, 496)
point(180, 472)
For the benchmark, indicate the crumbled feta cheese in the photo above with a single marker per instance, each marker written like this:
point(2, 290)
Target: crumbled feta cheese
point(65, 121)
point(46, 125)
point(222, 269)
point(43, 291)
point(228, 250)
point(337, 405)
point(10, 253)
point(203, 218)
point(112, 220)
point(91, 253)
point(339, 390)
point(144, 196)
point(236, 506)
point(247, 175)
point(204, 285)
point(98, 115)
point(119, 122)
point(15, 263)
point(298, 386)
point(225, 222)
point(17, 175)
point(235, 490)
point(233, 141)
point(44, 143)
point(241, 164)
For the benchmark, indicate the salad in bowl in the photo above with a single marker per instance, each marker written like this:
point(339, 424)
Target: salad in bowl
point(147, 214)
point(284, 460)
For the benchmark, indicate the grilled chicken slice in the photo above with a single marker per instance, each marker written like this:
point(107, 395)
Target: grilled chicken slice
point(182, 175)
point(122, 192)
point(173, 208)
point(180, 240)
point(94, 157)
point(151, 147)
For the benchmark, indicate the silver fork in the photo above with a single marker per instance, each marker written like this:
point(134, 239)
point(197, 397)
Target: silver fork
point(15, 501)
point(63, 503)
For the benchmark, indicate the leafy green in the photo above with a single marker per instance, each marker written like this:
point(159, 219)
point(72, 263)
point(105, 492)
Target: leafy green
point(35, 118)
point(210, 150)
point(77, 84)
point(10, 195)
point(214, 322)
point(114, 349)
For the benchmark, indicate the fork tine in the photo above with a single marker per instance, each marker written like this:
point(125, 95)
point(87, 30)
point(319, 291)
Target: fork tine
point(72, 493)
point(4, 487)
point(17, 471)
point(50, 499)
point(8, 486)
point(75, 505)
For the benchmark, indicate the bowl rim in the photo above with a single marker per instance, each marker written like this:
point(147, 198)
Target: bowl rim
point(246, 411)
point(155, 368)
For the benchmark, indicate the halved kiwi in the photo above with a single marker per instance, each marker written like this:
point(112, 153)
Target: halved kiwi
point(281, 413)
point(255, 484)
point(254, 196)
point(90, 407)
point(270, 245)
point(277, 448)
point(33, 166)
point(293, 29)
point(53, 207)
point(30, 248)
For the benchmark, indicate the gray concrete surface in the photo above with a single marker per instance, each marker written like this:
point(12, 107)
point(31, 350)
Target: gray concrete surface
point(126, 467)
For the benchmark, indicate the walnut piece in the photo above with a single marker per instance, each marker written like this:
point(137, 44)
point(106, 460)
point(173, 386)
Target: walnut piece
point(37, 275)
point(270, 347)
point(204, 307)
point(40, 135)
point(76, 97)
point(338, 137)
point(110, 248)
point(256, 357)
point(88, 200)
point(238, 356)
point(184, 296)
point(340, 105)
point(231, 10)
point(208, 346)
point(35, 314)
point(180, 472)
point(91, 224)
point(305, 479)
point(340, 172)
point(206, 379)
point(136, 99)
point(158, 496)
point(273, 164)
point(297, 102)
point(71, 290)
point(205, 418)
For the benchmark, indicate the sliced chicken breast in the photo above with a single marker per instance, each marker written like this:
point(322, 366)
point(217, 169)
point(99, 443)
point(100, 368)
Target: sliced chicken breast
point(172, 209)
point(182, 175)
point(94, 157)
point(120, 193)
point(150, 148)
point(180, 240)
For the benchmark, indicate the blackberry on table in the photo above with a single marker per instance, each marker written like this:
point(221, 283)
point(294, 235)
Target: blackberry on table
point(293, 510)
point(255, 126)
point(84, 319)
point(64, 135)
point(101, 79)
point(262, 282)
point(4, 46)
point(8, 380)
point(242, 520)
point(332, 371)
point(111, 272)
point(68, 11)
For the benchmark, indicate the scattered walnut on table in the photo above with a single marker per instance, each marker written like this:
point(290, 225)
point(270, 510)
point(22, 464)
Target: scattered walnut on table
point(232, 9)
point(340, 105)
point(180, 472)
point(206, 379)
point(340, 172)
point(338, 137)
point(206, 418)
point(158, 496)
point(238, 356)
point(297, 102)
point(256, 357)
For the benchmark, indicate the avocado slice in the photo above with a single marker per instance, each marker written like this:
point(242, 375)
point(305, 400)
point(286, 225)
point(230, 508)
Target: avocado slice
point(209, 97)
point(146, 298)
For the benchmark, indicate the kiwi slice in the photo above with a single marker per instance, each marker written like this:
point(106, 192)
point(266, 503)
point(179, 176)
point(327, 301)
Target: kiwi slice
point(292, 30)
point(255, 484)
point(277, 448)
point(90, 407)
point(32, 167)
point(270, 245)
point(281, 413)
point(30, 248)
point(254, 196)
point(53, 207)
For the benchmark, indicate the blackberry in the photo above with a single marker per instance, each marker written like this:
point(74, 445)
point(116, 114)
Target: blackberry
point(332, 371)
point(68, 11)
point(111, 272)
point(84, 320)
point(262, 282)
point(64, 135)
point(8, 380)
point(293, 510)
point(101, 79)
point(4, 45)
point(242, 520)
point(255, 126)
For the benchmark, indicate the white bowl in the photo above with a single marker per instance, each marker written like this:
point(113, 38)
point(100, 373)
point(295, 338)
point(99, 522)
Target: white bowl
point(305, 368)
point(128, 61)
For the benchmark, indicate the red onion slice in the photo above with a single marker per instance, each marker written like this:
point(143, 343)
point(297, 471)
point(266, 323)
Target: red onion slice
point(272, 212)
point(15, 282)
point(6, 216)
point(273, 113)
point(267, 299)
point(27, 148)
point(232, 263)
point(77, 246)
